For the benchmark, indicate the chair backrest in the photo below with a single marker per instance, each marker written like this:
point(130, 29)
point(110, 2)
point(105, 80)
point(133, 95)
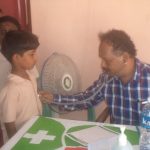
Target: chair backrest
point(104, 115)
point(91, 116)
point(46, 111)
point(103, 110)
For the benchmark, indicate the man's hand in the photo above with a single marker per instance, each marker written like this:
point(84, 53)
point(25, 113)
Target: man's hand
point(45, 97)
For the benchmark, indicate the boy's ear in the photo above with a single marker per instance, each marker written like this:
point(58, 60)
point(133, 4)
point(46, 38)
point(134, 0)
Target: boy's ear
point(15, 58)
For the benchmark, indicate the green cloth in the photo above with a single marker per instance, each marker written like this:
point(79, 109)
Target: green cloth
point(60, 131)
point(54, 128)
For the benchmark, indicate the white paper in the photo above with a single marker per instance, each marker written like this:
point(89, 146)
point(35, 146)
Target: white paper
point(105, 144)
point(93, 134)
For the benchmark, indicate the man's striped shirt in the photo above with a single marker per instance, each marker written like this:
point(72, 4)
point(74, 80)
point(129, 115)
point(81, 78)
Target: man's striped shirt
point(124, 100)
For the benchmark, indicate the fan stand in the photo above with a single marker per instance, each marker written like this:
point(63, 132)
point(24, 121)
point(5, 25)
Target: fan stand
point(64, 70)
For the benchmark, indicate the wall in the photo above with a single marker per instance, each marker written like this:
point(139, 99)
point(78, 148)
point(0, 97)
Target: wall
point(72, 26)
point(64, 26)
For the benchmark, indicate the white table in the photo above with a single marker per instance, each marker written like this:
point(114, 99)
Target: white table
point(49, 130)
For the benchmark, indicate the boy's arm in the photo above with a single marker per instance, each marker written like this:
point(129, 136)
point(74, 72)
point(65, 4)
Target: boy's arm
point(10, 128)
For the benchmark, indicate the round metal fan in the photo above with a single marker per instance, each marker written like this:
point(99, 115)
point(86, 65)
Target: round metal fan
point(60, 75)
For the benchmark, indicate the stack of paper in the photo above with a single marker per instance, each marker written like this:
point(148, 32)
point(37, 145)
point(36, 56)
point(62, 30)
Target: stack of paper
point(97, 136)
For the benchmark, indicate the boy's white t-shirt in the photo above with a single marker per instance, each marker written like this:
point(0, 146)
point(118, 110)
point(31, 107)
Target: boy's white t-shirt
point(19, 100)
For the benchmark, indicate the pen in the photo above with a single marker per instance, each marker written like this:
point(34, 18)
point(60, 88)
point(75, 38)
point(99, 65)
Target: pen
point(143, 101)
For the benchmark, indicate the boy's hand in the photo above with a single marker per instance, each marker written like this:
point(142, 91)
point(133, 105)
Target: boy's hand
point(45, 97)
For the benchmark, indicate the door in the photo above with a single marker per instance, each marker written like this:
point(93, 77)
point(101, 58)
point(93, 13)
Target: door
point(20, 9)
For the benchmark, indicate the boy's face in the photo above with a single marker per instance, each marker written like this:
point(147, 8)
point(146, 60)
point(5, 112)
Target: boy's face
point(26, 61)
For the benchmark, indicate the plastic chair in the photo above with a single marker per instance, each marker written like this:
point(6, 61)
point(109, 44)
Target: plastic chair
point(104, 115)
point(46, 111)
point(101, 117)
point(91, 116)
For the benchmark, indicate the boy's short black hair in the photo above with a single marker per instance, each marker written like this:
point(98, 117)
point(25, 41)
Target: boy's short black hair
point(18, 42)
point(10, 19)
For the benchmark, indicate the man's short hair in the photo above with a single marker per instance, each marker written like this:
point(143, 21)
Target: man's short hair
point(18, 42)
point(119, 40)
point(11, 19)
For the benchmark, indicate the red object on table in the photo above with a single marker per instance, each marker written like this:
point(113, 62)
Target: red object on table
point(76, 148)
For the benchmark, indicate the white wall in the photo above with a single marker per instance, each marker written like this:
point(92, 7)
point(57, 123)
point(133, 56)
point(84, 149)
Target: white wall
point(72, 26)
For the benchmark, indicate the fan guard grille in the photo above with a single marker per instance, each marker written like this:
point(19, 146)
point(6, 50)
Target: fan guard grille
point(60, 75)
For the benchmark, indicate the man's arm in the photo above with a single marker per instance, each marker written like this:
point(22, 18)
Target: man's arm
point(90, 97)
point(10, 128)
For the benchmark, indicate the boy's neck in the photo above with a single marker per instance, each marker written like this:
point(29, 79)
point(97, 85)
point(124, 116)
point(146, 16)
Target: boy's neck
point(21, 73)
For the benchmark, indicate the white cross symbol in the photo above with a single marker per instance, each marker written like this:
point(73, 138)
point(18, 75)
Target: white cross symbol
point(39, 136)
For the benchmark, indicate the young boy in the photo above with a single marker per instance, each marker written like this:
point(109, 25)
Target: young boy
point(19, 100)
point(8, 23)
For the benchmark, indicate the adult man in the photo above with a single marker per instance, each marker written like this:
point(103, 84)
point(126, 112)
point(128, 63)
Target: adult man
point(123, 83)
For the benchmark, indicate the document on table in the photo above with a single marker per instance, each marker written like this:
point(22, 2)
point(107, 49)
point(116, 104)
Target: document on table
point(93, 134)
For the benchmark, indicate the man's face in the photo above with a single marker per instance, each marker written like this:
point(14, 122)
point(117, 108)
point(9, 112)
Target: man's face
point(5, 27)
point(111, 62)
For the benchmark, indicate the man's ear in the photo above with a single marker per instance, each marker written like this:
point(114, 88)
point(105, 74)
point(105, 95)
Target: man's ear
point(125, 57)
